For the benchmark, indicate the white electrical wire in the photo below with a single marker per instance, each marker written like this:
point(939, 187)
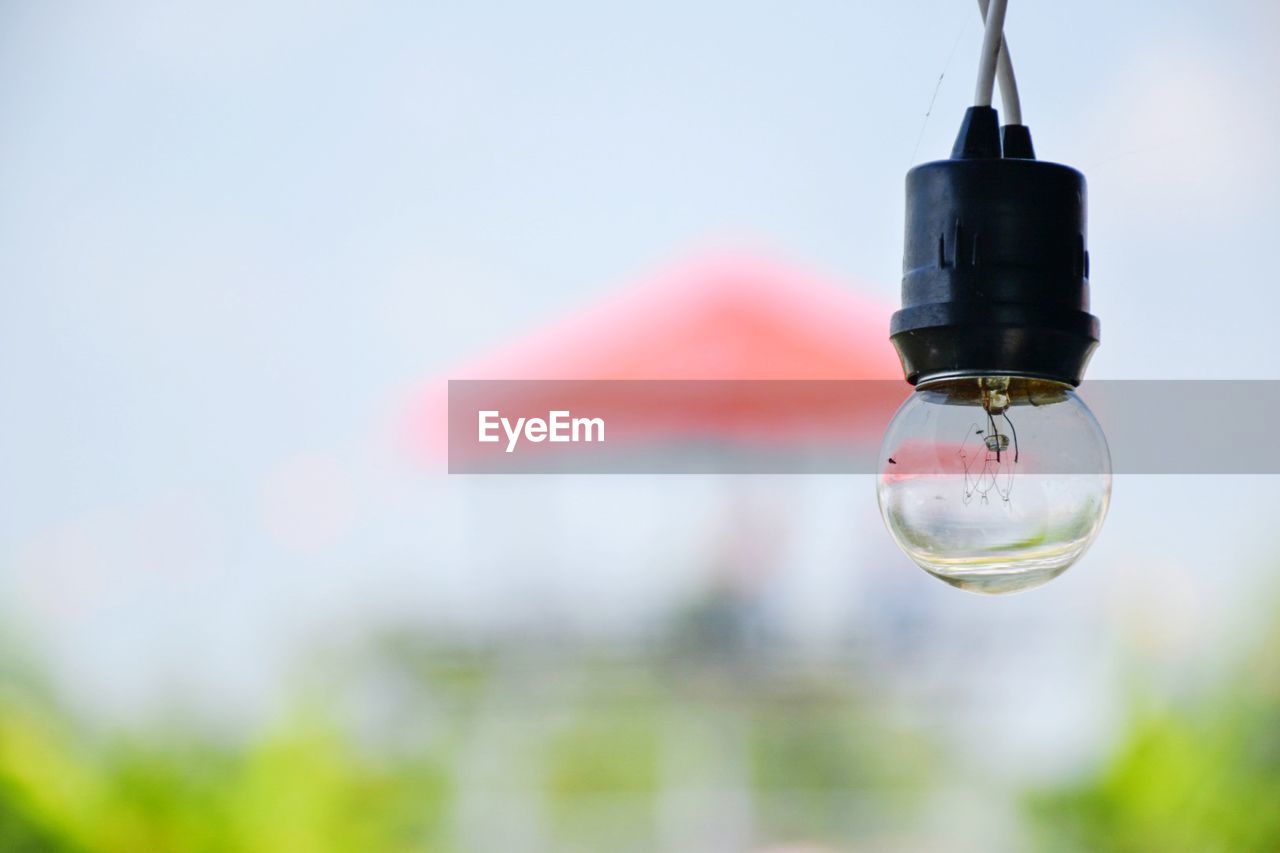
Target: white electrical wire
point(1004, 75)
point(992, 35)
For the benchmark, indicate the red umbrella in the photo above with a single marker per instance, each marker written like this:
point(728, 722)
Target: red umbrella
point(725, 318)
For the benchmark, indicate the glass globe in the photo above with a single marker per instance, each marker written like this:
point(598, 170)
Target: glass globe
point(994, 484)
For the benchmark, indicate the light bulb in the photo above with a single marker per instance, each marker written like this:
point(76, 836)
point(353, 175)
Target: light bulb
point(994, 484)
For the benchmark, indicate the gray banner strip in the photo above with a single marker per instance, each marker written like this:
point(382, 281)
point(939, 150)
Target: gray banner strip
point(1189, 426)
point(821, 427)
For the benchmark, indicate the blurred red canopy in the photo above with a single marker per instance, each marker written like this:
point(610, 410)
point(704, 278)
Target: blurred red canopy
point(726, 318)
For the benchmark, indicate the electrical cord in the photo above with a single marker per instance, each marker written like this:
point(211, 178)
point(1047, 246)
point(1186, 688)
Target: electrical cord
point(992, 35)
point(1004, 75)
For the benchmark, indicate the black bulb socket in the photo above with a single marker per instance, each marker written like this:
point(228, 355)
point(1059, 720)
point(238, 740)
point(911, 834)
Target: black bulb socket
point(996, 268)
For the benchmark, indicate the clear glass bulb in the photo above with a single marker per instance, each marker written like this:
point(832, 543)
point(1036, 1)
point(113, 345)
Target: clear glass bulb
point(994, 484)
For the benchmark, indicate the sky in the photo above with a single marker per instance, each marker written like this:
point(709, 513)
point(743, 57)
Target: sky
point(236, 237)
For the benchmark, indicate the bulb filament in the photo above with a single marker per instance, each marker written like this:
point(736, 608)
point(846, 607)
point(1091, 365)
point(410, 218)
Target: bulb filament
point(987, 467)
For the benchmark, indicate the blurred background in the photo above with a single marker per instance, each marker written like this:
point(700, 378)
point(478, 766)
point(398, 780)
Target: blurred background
point(244, 608)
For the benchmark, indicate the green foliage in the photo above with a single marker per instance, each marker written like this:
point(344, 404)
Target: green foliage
point(1176, 785)
point(592, 752)
point(612, 752)
point(819, 759)
point(298, 789)
point(1196, 779)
